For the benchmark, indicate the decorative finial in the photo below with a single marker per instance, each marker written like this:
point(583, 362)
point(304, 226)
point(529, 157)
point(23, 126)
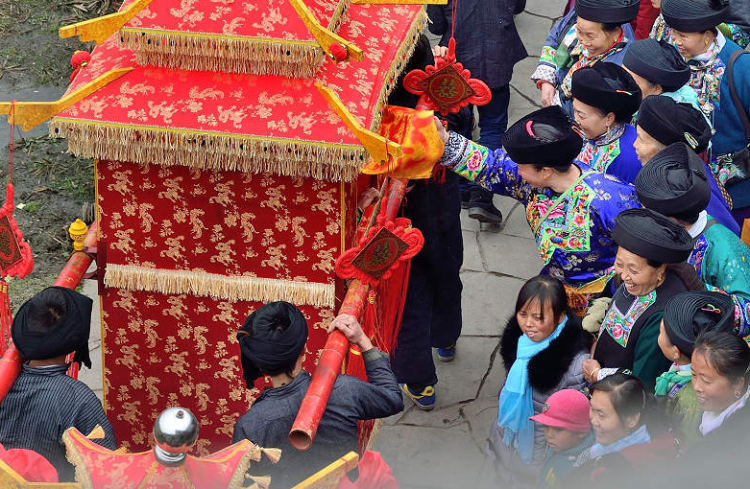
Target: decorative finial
point(77, 232)
point(175, 433)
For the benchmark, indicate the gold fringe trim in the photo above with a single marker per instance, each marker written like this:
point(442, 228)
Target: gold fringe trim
point(238, 476)
point(83, 477)
point(226, 287)
point(210, 150)
point(230, 54)
point(273, 454)
point(97, 433)
point(249, 65)
point(398, 65)
point(263, 482)
point(374, 434)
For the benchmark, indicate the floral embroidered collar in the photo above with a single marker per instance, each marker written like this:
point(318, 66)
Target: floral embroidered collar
point(613, 134)
point(618, 324)
point(706, 71)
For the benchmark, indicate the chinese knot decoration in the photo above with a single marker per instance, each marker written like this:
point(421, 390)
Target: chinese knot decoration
point(381, 251)
point(446, 86)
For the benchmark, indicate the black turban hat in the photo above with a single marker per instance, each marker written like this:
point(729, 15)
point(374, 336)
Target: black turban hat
point(694, 15)
point(608, 11)
point(688, 314)
point(674, 183)
point(545, 137)
point(271, 340)
point(653, 236)
point(56, 321)
point(670, 122)
point(658, 62)
point(607, 87)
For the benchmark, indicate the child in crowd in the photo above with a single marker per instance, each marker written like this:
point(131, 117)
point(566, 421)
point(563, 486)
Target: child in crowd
point(568, 433)
point(272, 342)
point(44, 401)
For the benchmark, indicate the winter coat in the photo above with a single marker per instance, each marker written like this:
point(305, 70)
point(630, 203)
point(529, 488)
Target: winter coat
point(487, 41)
point(557, 367)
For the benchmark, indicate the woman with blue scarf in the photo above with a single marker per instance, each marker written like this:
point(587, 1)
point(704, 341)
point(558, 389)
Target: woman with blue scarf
point(626, 447)
point(543, 348)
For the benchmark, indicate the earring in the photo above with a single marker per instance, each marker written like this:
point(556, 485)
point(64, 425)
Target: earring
point(675, 358)
point(737, 394)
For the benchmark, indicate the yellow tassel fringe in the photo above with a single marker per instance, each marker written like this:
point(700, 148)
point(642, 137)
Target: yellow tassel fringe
point(230, 54)
point(210, 150)
point(273, 454)
point(238, 476)
point(224, 287)
point(398, 65)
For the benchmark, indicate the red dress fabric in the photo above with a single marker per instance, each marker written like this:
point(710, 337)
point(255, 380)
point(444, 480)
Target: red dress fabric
point(374, 473)
point(28, 464)
point(647, 15)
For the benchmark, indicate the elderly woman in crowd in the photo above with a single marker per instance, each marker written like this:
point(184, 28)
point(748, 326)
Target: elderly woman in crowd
point(694, 32)
point(686, 316)
point(605, 97)
point(647, 242)
point(735, 28)
point(596, 30)
point(570, 209)
point(662, 122)
point(543, 347)
point(675, 184)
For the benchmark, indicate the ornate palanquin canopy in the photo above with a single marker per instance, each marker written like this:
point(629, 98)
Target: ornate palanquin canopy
point(230, 121)
point(218, 191)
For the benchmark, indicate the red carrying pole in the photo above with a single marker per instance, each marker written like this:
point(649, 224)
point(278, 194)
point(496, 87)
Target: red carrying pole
point(329, 365)
point(70, 277)
point(10, 368)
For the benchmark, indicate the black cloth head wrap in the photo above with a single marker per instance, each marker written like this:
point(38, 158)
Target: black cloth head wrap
point(652, 236)
point(271, 340)
point(670, 122)
point(607, 87)
point(56, 321)
point(545, 137)
point(658, 62)
point(674, 183)
point(688, 314)
point(694, 15)
point(608, 11)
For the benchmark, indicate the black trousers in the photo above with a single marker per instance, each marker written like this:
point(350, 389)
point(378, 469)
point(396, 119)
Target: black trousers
point(432, 312)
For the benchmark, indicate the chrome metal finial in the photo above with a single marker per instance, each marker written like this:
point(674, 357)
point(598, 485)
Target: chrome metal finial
point(175, 433)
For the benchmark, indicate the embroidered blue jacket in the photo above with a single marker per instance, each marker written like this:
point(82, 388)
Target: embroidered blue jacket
point(617, 158)
point(575, 238)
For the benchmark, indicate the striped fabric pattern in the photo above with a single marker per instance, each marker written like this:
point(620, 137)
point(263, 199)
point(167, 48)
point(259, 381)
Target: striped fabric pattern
point(41, 405)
